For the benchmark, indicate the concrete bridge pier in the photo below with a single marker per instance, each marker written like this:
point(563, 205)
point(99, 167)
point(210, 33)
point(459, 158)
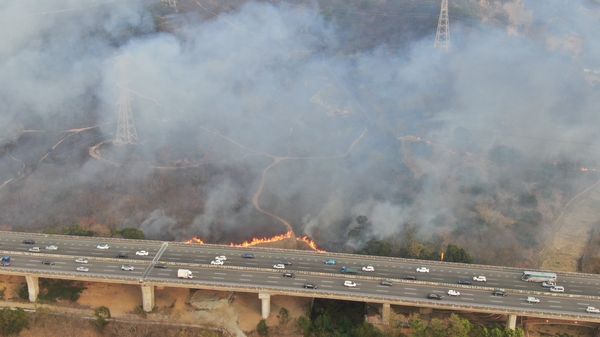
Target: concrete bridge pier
point(385, 313)
point(147, 298)
point(265, 304)
point(33, 286)
point(511, 323)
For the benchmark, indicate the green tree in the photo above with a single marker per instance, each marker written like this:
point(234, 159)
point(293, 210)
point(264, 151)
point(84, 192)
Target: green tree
point(437, 328)
point(304, 326)
point(283, 316)
point(12, 322)
point(131, 233)
point(459, 327)
point(457, 254)
point(77, 230)
point(419, 328)
point(102, 315)
point(262, 328)
point(366, 330)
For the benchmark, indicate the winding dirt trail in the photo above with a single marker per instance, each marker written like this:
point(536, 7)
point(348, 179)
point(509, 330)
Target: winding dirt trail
point(22, 171)
point(257, 194)
point(571, 230)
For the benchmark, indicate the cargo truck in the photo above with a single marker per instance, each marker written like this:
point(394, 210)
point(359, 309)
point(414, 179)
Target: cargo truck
point(184, 273)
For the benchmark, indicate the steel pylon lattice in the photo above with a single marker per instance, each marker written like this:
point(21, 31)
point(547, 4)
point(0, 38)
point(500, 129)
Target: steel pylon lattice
point(126, 131)
point(442, 35)
point(170, 3)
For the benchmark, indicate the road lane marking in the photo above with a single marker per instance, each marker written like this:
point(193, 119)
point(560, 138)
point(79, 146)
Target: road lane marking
point(410, 288)
point(407, 293)
point(245, 280)
point(496, 301)
point(247, 275)
point(217, 277)
point(553, 301)
point(555, 306)
point(381, 290)
point(219, 273)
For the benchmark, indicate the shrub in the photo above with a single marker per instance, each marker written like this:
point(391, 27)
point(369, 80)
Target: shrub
point(262, 328)
point(12, 322)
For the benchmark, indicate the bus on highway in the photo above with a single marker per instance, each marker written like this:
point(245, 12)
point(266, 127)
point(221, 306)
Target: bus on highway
point(538, 276)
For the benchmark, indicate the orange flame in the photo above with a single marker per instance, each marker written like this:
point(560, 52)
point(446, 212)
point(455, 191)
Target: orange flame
point(311, 243)
point(195, 240)
point(257, 241)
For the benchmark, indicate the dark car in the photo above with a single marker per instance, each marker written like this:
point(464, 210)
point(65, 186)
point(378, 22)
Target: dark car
point(467, 282)
point(410, 278)
point(29, 242)
point(499, 292)
point(285, 262)
point(288, 274)
point(48, 263)
point(122, 255)
point(160, 266)
point(434, 296)
point(248, 256)
point(309, 286)
point(386, 283)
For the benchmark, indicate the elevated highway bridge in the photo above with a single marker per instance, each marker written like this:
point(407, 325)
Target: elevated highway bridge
point(257, 275)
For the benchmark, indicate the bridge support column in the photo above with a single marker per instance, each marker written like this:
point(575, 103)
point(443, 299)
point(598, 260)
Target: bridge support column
point(265, 304)
point(385, 313)
point(33, 287)
point(147, 298)
point(511, 323)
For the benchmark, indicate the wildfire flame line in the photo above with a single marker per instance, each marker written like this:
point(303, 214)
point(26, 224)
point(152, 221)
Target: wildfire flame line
point(256, 241)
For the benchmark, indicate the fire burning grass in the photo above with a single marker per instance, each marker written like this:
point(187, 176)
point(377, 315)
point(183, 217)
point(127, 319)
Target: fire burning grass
point(289, 235)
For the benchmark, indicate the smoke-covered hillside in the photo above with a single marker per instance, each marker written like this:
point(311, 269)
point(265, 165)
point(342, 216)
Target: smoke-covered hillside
point(255, 115)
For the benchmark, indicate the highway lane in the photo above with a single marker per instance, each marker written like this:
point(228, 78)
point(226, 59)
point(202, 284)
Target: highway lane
point(446, 273)
point(326, 284)
point(97, 268)
point(330, 284)
point(301, 261)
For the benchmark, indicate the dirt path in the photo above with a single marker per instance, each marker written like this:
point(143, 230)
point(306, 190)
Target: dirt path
point(571, 230)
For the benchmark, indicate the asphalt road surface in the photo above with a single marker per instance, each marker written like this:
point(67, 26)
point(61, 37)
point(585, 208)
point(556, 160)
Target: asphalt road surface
point(307, 266)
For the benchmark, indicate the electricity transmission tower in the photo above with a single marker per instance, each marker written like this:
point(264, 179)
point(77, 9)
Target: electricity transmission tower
point(126, 132)
point(170, 3)
point(442, 35)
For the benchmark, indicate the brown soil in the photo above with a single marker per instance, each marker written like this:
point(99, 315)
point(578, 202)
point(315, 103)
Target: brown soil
point(121, 299)
point(11, 286)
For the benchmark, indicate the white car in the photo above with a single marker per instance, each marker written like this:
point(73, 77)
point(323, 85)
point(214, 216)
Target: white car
point(479, 278)
point(453, 292)
point(52, 247)
point(82, 268)
point(141, 253)
point(81, 260)
point(531, 299)
point(279, 266)
point(221, 257)
point(368, 268)
point(349, 283)
point(423, 270)
point(103, 246)
point(34, 249)
point(217, 262)
point(128, 268)
point(592, 310)
point(557, 289)
point(548, 284)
